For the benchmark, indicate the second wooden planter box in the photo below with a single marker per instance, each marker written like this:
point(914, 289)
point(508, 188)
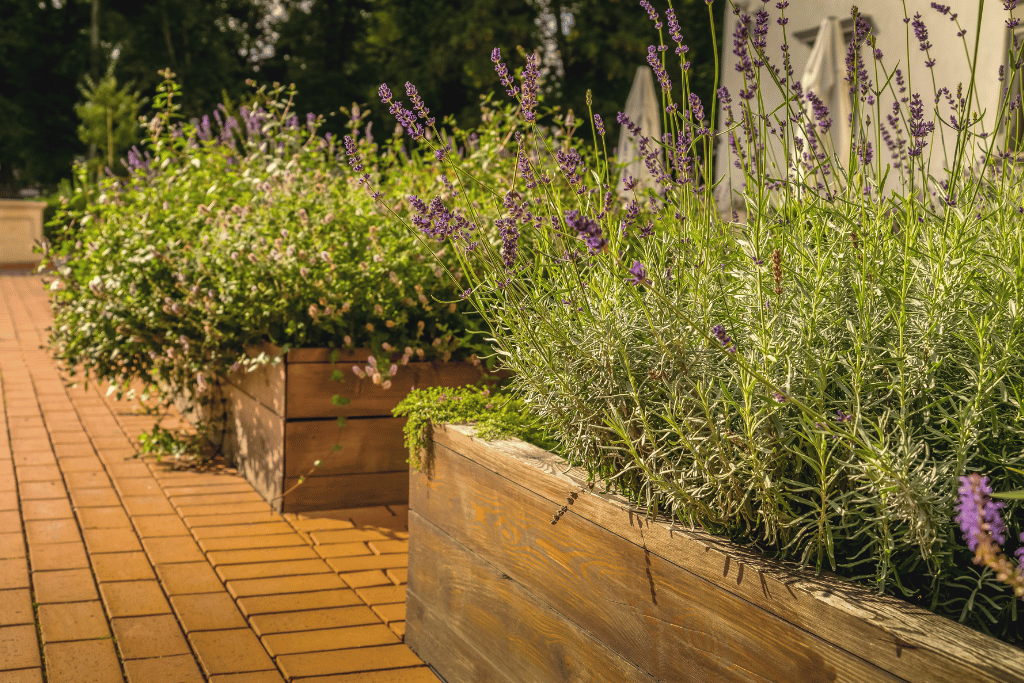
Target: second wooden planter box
point(497, 593)
point(280, 420)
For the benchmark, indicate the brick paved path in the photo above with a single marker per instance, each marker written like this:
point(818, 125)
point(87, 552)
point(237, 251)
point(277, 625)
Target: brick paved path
point(115, 568)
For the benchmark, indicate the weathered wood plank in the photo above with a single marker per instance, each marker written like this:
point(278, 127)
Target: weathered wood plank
point(659, 617)
point(512, 629)
point(347, 491)
point(256, 441)
point(909, 642)
point(449, 654)
point(309, 388)
point(323, 355)
point(264, 385)
point(372, 444)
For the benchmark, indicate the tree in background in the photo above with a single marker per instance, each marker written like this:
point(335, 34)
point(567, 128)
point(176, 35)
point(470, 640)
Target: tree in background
point(44, 52)
point(320, 47)
point(336, 52)
point(211, 45)
point(110, 121)
point(606, 40)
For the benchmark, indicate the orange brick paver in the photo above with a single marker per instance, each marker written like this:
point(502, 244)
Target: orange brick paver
point(137, 572)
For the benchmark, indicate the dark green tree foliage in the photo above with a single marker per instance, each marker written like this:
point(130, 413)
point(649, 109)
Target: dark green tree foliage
point(201, 41)
point(321, 49)
point(336, 52)
point(44, 51)
point(444, 48)
point(339, 52)
point(110, 121)
point(609, 40)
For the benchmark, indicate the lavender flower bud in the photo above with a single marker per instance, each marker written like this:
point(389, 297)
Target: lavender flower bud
point(639, 274)
point(530, 74)
point(503, 74)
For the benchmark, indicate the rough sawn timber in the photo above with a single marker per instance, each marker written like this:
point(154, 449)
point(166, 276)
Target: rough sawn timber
point(280, 421)
point(606, 584)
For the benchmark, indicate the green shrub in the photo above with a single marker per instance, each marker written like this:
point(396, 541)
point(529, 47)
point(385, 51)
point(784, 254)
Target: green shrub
point(249, 226)
point(810, 381)
point(495, 414)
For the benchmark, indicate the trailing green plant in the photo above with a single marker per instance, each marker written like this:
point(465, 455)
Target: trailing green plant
point(495, 415)
point(810, 381)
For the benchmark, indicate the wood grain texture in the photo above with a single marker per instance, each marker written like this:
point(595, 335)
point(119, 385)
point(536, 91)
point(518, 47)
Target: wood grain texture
point(371, 444)
point(309, 388)
point(264, 385)
point(895, 636)
point(256, 441)
point(512, 629)
point(450, 655)
point(662, 619)
point(323, 355)
point(347, 491)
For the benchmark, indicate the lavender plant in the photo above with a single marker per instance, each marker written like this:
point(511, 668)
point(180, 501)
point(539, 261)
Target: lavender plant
point(811, 380)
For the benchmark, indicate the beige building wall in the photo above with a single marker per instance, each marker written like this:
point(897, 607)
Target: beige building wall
point(21, 226)
point(951, 68)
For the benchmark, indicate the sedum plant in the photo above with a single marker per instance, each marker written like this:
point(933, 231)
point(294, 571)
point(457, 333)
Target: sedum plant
point(810, 381)
point(494, 414)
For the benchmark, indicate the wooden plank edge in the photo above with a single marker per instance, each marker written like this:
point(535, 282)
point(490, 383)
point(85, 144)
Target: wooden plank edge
point(532, 617)
point(902, 638)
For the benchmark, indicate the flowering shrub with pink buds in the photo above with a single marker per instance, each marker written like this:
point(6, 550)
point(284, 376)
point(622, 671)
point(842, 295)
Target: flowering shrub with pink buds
point(250, 226)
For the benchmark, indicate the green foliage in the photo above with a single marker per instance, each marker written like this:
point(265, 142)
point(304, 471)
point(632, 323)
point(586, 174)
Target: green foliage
point(211, 46)
point(810, 381)
point(608, 41)
point(495, 415)
point(43, 54)
point(223, 237)
point(110, 120)
point(250, 227)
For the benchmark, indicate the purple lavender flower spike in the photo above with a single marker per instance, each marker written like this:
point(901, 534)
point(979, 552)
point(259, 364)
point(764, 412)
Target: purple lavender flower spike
point(675, 32)
point(587, 229)
point(659, 71)
point(696, 107)
point(354, 160)
point(509, 240)
point(599, 124)
point(503, 74)
point(633, 128)
point(418, 104)
point(530, 75)
point(978, 513)
point(723, 338)
point(639, 274)
point(651, 13)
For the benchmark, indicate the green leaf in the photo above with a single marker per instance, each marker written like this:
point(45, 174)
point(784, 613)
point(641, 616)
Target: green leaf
point(1010, 495)
point(339, 401)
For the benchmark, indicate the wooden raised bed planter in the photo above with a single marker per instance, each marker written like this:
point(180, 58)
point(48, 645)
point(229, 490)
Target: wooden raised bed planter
point(280, 420)
point(498, 593)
